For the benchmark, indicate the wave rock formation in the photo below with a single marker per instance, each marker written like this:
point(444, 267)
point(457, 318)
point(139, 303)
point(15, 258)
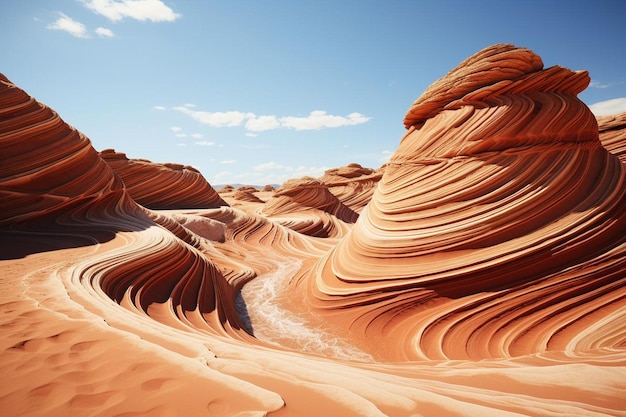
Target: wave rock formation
point(497, 229)
point(163, 186)
point(480, 272)
point(613, 134)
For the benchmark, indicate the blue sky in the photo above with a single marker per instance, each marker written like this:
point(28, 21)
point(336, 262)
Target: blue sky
point(257, 92)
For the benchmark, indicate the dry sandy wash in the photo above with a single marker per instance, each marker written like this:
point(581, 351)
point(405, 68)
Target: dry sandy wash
point(481, 272)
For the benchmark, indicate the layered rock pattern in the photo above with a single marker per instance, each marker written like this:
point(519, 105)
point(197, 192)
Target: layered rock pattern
point(308, 207)
point(497, 229)
point(353, 184)
point(494, 238)
point(163, 186)
point(613, 134)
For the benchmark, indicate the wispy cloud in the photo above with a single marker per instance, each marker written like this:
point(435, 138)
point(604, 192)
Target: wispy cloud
point(598, 84)
point(176, 129)
point(104, 33)
point(319, 119)
point(386, 155)
point(214, 119)
point(116, 10)
point(300, 170)
point(205, 143)
point(261, 123)
point(196, 135)
point(609, 107)
point(316, 120)
point(69, 25)
point(160, 108)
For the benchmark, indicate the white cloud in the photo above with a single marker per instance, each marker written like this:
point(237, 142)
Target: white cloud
point(160, 108)
point(190, 105)
point(176, 129)
point(116, 10)
point(598, 84)
point(319, 119)
point(609, 107)
point(196, 135)
point(205, 143)
point(289, 171)
point(222, 174)
point(215, 119)
point(267, 166)
point(261, 123)
point(251, 135)
point(69, 25)
point(228, 161)
point(181, 135)
point(386, 155)
point(316, 120)
point(105, 33)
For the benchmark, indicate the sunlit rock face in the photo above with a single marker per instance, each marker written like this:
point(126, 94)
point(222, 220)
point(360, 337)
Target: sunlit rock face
point(308, 207)
point(612, 131)
point(495, 237)
point(352, 184)
point(163, 186)
point(49, 171)
point(497, 228)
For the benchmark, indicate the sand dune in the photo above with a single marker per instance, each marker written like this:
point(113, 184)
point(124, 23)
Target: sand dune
point(480, 272)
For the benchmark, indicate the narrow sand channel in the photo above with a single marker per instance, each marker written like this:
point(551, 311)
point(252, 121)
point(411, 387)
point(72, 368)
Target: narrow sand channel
point(273, 324)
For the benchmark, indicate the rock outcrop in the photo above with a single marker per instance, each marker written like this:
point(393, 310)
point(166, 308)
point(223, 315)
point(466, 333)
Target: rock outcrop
point(613, 134)
point(497, 228)
point(163, 186)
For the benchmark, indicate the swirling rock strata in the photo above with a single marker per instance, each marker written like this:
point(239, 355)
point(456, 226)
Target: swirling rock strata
point(163, 186)
point(497, 228)
point(353, 184)
point(49, 171)
point(613, 134)
point(306, 205)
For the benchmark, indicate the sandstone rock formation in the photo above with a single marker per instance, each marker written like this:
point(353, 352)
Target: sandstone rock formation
point(485, 277)
point(613, 134)
point(497, 229)
point(162, 186)
point(353, 184)
point(306, 205)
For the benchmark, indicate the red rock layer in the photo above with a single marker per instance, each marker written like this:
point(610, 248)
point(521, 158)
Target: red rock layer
point(353, 185)
point(49, 171)
point(497, 229)
point(163, 186)
point(306, 205)
point(53, 185)
point(613, 134)
point(246, 195)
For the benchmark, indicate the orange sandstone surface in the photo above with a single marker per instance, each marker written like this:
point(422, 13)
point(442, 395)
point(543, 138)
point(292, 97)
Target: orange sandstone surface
point(480, 272)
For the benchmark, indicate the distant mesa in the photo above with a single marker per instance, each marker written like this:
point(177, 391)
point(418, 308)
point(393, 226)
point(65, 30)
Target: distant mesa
point(612, 131)
point(163, 186)
point(495, 227)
